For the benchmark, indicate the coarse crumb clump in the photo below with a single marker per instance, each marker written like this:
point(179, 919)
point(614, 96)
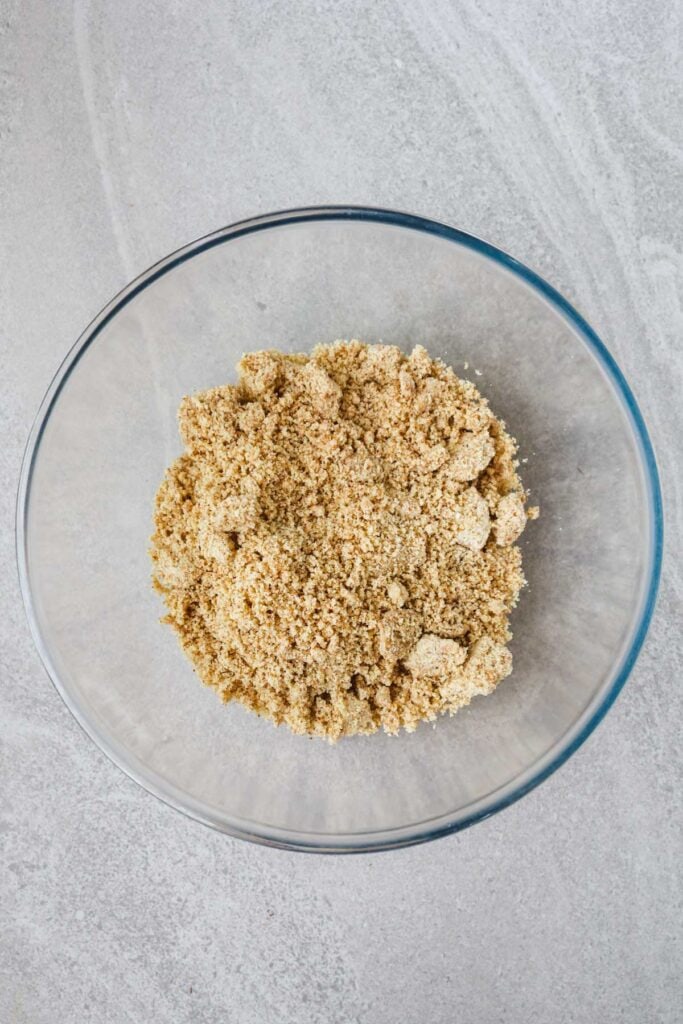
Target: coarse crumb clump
point(336, 546)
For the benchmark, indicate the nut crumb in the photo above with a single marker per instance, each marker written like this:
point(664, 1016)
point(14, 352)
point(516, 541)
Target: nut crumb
point(397, 593)
point(511, 518)
point(336, 546)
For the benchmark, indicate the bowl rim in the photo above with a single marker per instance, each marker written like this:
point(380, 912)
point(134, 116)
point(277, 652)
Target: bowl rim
point(515, 788)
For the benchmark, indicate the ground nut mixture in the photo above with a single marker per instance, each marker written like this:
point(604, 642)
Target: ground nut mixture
point(336, 547)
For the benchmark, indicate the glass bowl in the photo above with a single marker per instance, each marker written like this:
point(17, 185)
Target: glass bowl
point(106, 431)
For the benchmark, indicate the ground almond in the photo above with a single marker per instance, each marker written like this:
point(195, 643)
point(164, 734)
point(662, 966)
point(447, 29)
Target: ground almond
point(336, 546)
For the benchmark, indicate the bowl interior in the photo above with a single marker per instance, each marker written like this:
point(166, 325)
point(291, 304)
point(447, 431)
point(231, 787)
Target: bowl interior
point(109, 430)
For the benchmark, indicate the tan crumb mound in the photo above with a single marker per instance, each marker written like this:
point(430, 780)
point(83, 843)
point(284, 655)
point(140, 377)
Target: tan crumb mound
point(336, 547)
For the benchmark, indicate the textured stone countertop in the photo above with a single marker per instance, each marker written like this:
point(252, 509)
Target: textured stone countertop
point(551, 129)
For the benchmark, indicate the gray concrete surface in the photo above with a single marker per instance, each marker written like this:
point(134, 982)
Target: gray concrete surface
point(552, 129)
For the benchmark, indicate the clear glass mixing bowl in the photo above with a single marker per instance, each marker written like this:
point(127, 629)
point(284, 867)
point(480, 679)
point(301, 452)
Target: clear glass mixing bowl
point(107, 429)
